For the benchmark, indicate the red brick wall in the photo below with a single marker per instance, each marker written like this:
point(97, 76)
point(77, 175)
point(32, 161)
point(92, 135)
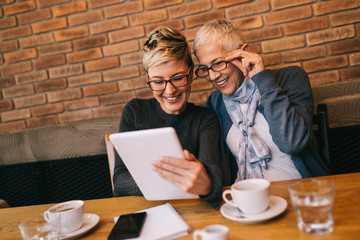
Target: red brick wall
point(63, 61)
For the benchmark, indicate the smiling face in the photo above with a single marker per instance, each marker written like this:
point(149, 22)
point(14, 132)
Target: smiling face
point(227, 80)
point(173, 100)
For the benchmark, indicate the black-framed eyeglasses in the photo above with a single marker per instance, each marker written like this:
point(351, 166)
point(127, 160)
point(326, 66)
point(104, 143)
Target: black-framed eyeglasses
point(177, 81)
point(203, 71)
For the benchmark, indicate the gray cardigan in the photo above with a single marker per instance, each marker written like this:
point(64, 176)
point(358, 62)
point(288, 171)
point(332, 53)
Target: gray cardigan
point(287, 105)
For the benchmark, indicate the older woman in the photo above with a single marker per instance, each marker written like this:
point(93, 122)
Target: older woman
point(169, 66)
point(266, 115)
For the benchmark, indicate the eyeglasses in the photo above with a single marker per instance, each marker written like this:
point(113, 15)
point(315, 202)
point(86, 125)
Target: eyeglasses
point(177, 81)
point(203, 71)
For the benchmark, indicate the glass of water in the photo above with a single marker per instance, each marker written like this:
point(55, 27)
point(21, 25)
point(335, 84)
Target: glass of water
point(37, 228)
point(313, 201)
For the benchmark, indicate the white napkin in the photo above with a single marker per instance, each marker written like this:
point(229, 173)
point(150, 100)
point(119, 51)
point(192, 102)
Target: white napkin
point(162, 222)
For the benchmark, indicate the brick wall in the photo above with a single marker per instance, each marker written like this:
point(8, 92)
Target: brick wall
point(63, 61)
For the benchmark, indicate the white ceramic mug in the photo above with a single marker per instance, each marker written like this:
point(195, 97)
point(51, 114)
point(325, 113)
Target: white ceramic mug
point(71, 212)
point(251, 196)
point(212, 232)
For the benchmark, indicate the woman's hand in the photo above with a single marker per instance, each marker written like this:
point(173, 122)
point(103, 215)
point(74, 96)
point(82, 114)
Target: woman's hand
point(188, 174)
point(249, 63)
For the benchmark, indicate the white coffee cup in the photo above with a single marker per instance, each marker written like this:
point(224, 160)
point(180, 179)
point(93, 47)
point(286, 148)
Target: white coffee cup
point(212, 232)
point(71, 212)
point(251, 196)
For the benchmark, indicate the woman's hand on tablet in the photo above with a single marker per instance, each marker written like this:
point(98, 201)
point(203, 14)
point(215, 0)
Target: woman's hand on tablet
point(188, 174)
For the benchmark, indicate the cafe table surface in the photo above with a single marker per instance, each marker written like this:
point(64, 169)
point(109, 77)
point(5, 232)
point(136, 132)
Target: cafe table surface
point(199, 214)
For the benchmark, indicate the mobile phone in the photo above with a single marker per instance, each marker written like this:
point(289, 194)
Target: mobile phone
point(128, 226)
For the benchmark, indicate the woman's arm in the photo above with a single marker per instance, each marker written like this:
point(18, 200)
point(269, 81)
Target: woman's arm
point(287, 103)
point(286, 100)
point(124, 184)
point(211, 155)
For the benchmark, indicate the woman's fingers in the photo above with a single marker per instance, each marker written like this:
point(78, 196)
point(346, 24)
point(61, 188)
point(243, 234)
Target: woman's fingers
point(239, 64)
point(180, 173)
point(188, 174)
point(171, 174)
point(249, 63)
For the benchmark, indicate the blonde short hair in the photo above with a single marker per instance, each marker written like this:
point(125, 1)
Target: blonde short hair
point(163, 45)
point(221, 31)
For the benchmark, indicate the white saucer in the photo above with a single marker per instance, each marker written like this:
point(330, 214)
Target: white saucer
point(277, 206)
point(90, 221)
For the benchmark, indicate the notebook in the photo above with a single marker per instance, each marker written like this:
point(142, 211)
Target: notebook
point(162, 222)
point(138, 148)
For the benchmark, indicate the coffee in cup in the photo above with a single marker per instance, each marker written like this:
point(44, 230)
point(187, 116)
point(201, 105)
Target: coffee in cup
point(71, 212)
point(251, 196)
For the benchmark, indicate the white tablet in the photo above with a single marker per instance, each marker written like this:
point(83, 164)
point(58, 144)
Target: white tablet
point(138, 148)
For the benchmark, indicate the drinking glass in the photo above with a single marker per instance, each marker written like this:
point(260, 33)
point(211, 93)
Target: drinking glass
point(37, 228)
point(313, 201)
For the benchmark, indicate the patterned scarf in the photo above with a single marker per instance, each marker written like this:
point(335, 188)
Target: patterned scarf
point(253, 152)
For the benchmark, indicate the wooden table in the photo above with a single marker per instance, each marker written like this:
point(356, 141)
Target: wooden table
point(199, 214)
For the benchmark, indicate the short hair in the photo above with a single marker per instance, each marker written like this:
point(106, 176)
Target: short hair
point(163, 45)
point(221, 31)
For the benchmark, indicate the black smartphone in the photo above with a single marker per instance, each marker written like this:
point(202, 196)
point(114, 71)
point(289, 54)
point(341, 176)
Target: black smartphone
point(128, 226)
